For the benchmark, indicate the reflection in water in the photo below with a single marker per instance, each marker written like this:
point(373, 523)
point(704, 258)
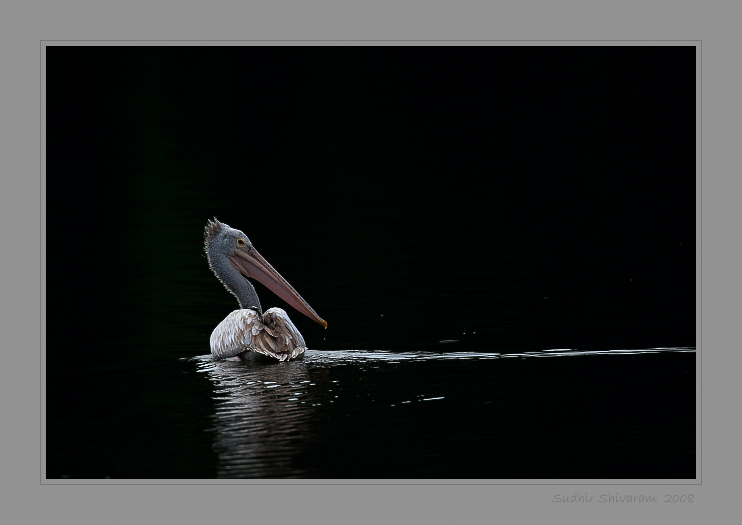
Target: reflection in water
point(261, 416)
point(271, 416)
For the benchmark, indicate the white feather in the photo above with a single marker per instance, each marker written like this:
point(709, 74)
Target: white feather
point(272, 335)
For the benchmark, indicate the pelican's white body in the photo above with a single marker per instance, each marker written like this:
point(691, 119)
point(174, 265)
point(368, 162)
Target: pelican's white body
point(272, 335)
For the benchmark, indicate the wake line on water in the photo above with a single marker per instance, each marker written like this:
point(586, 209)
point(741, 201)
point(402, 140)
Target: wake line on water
point(355, 356)
point(387, 355)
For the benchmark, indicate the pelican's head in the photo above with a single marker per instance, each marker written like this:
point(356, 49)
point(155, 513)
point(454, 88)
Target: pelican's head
point(220, 240)
point(223, 243)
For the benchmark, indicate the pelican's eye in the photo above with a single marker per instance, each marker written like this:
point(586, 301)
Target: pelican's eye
point(241, 243)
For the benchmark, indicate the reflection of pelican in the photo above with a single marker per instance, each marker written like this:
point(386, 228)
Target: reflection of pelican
point(249, 333)
point(264, 417)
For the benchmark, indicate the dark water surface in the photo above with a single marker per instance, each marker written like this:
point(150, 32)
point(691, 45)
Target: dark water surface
point(430, 391)
point(406, 415)
point(359, 414)
point(455, 214)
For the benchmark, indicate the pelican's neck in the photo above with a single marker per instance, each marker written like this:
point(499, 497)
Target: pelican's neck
point(245, 292)
point(237, 285)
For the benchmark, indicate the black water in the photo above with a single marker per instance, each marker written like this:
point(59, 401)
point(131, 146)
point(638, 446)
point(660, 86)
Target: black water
point(456, 215)
point(466, 415)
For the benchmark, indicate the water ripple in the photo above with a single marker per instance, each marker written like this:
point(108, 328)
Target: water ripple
point(267, 412)
point(365, 356)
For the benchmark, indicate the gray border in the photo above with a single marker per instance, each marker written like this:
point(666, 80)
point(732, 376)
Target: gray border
point(699, 263)
point(430, 503)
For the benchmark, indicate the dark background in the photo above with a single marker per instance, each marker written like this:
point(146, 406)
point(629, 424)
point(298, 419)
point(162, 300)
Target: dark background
point(542, 197)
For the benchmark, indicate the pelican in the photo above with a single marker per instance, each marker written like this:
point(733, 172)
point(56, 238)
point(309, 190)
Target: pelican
point(248, 333)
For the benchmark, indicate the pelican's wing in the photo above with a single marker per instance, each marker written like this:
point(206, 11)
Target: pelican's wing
point(236, 333)
point(279, 337)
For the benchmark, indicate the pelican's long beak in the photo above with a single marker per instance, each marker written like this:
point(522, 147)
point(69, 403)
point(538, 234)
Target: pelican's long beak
point(251, 264)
